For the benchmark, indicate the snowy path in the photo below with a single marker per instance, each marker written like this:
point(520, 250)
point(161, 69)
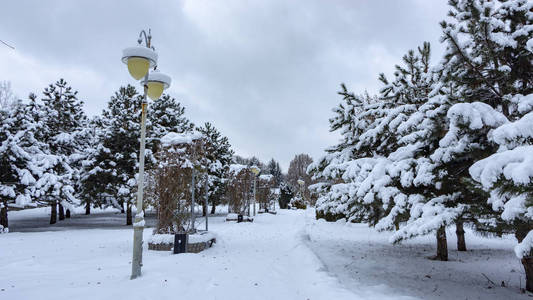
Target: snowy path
point(264, 260)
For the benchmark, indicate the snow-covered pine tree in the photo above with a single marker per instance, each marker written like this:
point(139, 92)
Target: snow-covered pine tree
point(400, 179)
point(351, 118)
point(489, 57)
point(218, 154)
point(91, 188)
point(285, 195)
point(20, 151)
point(165, 115)
point(369, 168)
point(64, 120)
point(381, 173)
point(275, 170)
point(508, 176)
point(115, 164)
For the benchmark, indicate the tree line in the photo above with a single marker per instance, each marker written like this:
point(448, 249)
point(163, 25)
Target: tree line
point(52, 154)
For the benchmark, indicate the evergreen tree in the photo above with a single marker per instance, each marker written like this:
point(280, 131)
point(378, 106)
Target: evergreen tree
point(285, 195)
point(90, 185)
point(20, 152)
point(115, 163)
point(165, 115)
point(489, 59)
point(218, 154)
point(64, 120)
point(275, 170)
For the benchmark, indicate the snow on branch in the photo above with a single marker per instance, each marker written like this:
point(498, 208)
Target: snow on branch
point(513, 165)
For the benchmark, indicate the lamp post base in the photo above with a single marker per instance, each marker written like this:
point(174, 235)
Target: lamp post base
point(136, 262)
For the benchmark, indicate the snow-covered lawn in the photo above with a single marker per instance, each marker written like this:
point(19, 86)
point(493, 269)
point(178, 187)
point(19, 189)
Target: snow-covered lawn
point(284, 256)
point(362, 258)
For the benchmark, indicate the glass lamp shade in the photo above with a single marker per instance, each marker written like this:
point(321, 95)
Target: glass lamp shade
point(255, 170)
point(300, 182)
point(139, 60)
point(157, 82)
point(155, 89)
point(138, 67)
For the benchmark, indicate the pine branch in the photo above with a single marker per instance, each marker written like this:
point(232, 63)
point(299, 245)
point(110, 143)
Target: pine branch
point(472, 66)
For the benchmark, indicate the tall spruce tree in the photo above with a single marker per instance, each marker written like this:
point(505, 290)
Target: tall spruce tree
point(115, 163)
point(64, 120)
point(218, 154)
point(91, 189)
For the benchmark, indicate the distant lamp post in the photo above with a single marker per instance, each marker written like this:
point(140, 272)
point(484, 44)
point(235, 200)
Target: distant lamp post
point(140, 59)
point(301, 183)
point(256, 171)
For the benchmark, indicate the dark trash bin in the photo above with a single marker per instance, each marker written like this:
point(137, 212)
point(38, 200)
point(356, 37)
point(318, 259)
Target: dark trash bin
point(240, 218)
point(180, 243)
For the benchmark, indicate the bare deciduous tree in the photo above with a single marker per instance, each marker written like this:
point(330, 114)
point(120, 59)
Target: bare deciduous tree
point(238, 189)
point(170, 186)
point(298, 170)
point(264, 194)
point(7, 97)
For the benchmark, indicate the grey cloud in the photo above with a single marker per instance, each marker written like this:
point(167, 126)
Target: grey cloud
point(264, 72)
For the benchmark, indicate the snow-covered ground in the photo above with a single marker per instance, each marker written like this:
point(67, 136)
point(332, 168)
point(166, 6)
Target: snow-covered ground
point(362, 258)
point(266, 259)
point(284, 256)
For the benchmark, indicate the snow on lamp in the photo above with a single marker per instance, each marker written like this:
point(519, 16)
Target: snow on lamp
point(139, 60)
point(157, 82)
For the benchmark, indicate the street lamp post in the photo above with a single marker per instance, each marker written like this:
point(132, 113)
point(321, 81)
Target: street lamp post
point(139, 60)
point(301, 183)
point(256, 171)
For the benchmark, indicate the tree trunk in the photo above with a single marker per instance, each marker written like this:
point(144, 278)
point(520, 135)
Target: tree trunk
point(87, 208)
point(213, 208)
point(67, 213)
point(459, 230)
point(204, 210)
point(442, 244)
point(61, 212)
point(3, 216)
point(121, 206)
point(527, 261)
point(53, 212)
point(128, 214)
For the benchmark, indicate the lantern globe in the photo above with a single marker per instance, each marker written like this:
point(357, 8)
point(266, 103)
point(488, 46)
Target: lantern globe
point(157, 82)
point(139, 60)
point(255, 170)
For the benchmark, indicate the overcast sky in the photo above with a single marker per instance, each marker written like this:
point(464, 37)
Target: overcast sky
point(265, 73)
